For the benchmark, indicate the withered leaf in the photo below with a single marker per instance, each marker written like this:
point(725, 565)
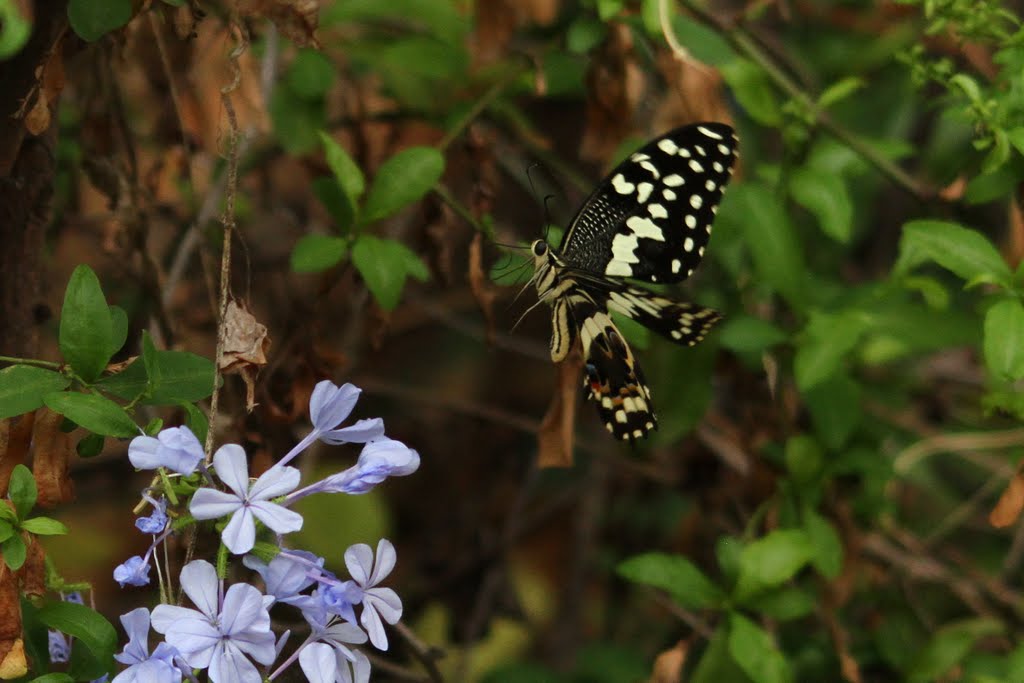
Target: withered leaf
point(296, 19)
point(484, 292)
point(1010, 504)
point(555, 436)
point(668, 666)
point(51, 460)
point(246, 343)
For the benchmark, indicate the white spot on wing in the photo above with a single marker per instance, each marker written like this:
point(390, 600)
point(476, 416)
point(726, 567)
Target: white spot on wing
point(691, 222)
point(668, 147)
point(676, 265)
point(684, 152)
point(624, 251)
point(696, 201)
point(643, 191)
point(718, 167)
point(674, 180)
point(688, 244)
point(657, 211)
point(621, 185)
point(669, 195)
point(710, 185)
point(641, 227)
point(695, 166)
point(649, 167)
point(709, 133)
point(723, 149)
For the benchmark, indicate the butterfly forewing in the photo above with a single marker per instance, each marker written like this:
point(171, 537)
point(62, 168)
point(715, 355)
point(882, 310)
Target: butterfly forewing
point(650, 219)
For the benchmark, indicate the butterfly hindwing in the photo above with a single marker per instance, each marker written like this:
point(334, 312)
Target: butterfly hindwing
point(613, 378)
point(650, 219)
point(678, 321)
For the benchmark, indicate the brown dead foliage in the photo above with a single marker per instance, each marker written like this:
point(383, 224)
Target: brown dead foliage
point(615, 86)
point(694, 92)
point(557, 429)
point(295, 19)
point(51, 460)
point(483, 290)
point(1010, 504)
point(668, 666)
point(246, 342)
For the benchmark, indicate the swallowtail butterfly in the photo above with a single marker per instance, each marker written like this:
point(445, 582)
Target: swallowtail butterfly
point(648, 221)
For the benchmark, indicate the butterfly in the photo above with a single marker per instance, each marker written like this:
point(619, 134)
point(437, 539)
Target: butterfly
point(648, 221)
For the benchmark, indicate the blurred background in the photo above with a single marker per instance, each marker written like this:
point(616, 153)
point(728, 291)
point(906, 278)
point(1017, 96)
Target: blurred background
point(833, 491)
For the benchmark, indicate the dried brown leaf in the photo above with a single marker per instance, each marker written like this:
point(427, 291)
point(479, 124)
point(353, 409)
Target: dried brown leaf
point(693, 92)
point(555, 436)
point(12, 659)
point(246, 343)
point(668, 666)
point(1010, 504)
point(484, 292)
point(32, 573)
point(615, 86)
point(296, 19)
point(15, 439)
point(51, 460)
point(495, 24)
point(1013, 248)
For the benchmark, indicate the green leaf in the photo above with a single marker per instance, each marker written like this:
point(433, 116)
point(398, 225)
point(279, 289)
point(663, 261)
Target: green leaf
point(803, 458)
point(771, 239)
point(90, 445)
point(316, 253)
point(824, 195)
point(827, 340)
point(329, 193)
point(119, 328)
point(402, 180)
point(22, 490)
point(585, 34)
point(828, 548)
point(840, 90)
point(296, 120)
point(22, 388)
point(1004, 340)
point(754, 91)
point(716, 663)
point(311, 74)
point(771, 561)
point(784, 603)
point(14, 552)
point(95, 413)
point(88, 626)
point(86, 330)
point(384, 265)
point(44, 526)
point(184, 377)
point(747, 334)
point(728, 551)
point(966, 253)
point(196, 420)
point(609, 9)
point(835, 408)
point(57, 677)
point(949, 646)
point(92, 19)
point(345, 170)
point(754, 651)
point(675, 574)
point(703, 43)
point(6, 528)
point(15, 29)
point(151, 362)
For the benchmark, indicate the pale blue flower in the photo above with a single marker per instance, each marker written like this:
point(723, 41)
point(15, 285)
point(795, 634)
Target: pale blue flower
point(58, 646)
point(378, 461)
point(330, 405)
point(144, 667)
point(156, 522)
point(378, 603)
point(134, 571)
point(246, 502)
point(223, 631)
point(288, 574)
point(176, 449)
point(323, 663)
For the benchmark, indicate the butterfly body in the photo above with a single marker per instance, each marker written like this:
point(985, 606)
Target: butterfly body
point(649, 221)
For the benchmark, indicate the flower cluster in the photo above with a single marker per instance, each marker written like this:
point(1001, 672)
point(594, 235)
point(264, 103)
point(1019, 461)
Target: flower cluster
point(228, 632)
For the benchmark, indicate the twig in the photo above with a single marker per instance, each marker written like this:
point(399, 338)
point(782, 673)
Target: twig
point(744, 43)
point(478, 108)
point(427, 655)
point(963, 444)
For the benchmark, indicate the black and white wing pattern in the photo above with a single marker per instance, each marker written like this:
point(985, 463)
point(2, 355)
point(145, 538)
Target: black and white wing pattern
point(649, 220)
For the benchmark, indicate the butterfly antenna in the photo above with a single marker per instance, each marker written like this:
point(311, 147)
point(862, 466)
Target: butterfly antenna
point(525, 313)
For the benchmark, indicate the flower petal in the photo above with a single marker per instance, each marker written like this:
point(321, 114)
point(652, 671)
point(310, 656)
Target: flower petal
point(386, 558)
point(194, 637)
point(278, 518)
point(166, 616)
point(142, 452)
point(277, 481)
point(374, 628)
point(199, 581)
point(386, 602)
point(318, 663)
point(136, 625)
point(230, 665)
point(359, 560)
point(330, 404)
point(232, 467)
point(344, 632)
point(243, 610)
point(240, 534)
point(362, 431)
point(213, 504)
